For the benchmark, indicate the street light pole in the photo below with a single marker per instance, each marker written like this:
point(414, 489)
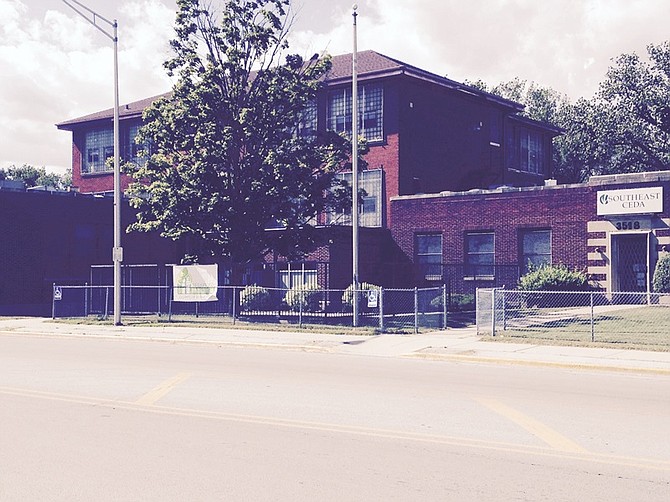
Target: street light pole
point(117, 252)
point(354, 172)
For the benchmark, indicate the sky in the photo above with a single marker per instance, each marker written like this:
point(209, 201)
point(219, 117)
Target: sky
point(55, 66)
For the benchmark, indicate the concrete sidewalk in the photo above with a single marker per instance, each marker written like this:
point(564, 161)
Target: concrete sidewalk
point(462, 345)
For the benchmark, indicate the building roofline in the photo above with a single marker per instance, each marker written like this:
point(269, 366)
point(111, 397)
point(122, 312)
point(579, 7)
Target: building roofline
point(372, 65)
point(594, 181)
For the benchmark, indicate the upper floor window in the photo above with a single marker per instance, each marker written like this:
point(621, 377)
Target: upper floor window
point(370, 213)
point(370, 111)
point(98, 147)
point(479, 254)
point(531, 152)
point(428, 256)
point(535, 248)
point(307, 125)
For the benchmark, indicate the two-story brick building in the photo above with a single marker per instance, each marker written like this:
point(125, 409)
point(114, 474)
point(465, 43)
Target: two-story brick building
point(426, 134)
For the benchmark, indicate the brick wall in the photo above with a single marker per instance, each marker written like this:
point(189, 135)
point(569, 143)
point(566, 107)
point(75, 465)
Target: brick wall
point(570, 212)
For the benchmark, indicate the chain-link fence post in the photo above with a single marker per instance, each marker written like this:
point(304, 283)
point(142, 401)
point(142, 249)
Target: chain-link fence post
point(493, 312)
point(86, 299)
point(106, 302)
point(593, 325)
point(169, 292)
point(504, 306)
point(445, 307)
point(381, 310)
point(53, 301)
point(416, 310)
point(234, 301)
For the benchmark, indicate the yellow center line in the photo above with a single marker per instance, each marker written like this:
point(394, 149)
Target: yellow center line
point(541, 431)
point(582, 455)
point(158, 392)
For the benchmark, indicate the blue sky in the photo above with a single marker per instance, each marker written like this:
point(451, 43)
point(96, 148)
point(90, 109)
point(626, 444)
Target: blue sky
point(54, 66)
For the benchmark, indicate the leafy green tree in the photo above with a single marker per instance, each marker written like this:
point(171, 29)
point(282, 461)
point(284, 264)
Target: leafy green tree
point(229, 158)
point(37, 176)
point(624, 128)
point(634, 120)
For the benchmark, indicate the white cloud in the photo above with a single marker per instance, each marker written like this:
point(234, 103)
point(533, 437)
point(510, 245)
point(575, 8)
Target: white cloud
point(59, 66)
point(55, 66)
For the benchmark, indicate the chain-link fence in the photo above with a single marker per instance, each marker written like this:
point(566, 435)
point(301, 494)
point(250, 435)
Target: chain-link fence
point(381, 308)
point(622, 318)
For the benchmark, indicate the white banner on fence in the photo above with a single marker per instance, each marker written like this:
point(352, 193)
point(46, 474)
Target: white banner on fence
point(195, 283)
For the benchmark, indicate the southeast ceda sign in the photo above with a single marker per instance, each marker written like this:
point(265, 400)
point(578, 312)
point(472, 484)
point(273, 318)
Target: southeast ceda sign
point(630, 201)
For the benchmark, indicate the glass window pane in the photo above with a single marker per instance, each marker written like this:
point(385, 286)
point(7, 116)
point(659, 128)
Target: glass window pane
point(480, 243)
point(429, 244)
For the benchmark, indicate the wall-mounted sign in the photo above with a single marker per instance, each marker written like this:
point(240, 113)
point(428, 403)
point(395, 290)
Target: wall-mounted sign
point(630, 201)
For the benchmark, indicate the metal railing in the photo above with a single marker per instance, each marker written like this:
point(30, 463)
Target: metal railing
point(593, 316)
point(383, 309)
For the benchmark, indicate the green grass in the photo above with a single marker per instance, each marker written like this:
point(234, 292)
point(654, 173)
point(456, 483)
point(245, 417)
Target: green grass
point(635, 327)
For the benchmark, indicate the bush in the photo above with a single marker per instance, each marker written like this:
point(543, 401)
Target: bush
point(363, 287)
point(304, 297)
point(457, 302)
point(555, 278)
point(255, 298)
point(661, 280)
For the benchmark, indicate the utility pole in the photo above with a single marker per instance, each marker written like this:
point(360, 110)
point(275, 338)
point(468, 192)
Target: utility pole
point(117, 251)
point(354, 169)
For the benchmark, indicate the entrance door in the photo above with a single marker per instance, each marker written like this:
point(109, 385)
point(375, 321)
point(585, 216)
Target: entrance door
point(629, 265)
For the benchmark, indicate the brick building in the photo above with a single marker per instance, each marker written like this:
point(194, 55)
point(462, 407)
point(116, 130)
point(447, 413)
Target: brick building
point(426, 134)
point(612, 227)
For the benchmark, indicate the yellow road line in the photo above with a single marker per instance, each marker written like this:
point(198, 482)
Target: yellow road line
point(538, 429)
point(395, 435)
point(158, 392)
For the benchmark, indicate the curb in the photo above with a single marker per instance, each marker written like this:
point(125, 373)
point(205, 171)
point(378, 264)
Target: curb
point(539, 363)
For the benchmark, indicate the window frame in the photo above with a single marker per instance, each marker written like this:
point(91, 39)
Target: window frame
point(370, 108)
point(423, 261)
point(473, 270)
point(531, 151)
point(523, 232)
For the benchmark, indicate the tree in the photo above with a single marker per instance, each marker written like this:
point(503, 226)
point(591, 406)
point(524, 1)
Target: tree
point(37, 176)
point(634, 120)
point(229, 157)
point(624, 128)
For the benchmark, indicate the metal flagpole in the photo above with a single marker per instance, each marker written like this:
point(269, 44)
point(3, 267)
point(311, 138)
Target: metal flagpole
point(117, 252)
point(354, 172)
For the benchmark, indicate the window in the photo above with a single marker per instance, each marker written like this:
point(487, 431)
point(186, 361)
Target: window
point(307, 125)
point(428, 251)
point(370, 214)
point(535, 248)
point(99, 146)
point(370, 111)
point(298, 277)
point(479, 254)
point(531, 153)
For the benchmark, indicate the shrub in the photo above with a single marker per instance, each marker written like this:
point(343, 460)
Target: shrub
point(457, 302)
point(255, 298)
point(555, 278)
point(661, 280)
point(306, 297)
point(363, 287)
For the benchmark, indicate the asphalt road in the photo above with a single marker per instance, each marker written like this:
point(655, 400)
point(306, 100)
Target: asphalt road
point(86, 419)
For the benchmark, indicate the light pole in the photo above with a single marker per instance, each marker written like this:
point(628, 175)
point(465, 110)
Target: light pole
point(354, 172)
point(117, 251)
